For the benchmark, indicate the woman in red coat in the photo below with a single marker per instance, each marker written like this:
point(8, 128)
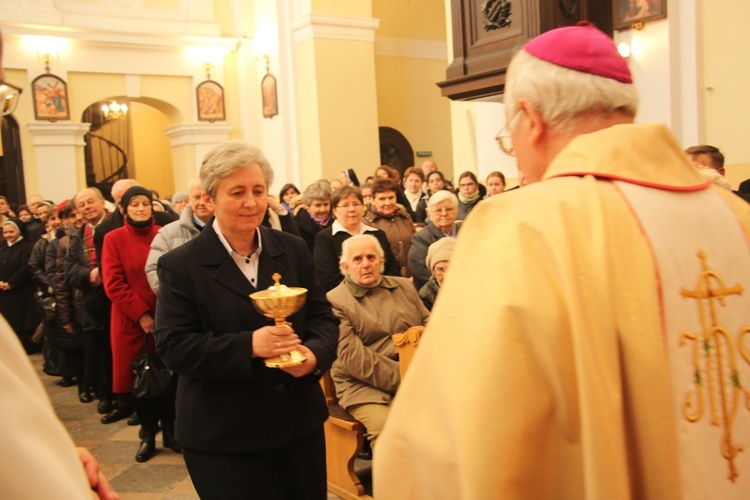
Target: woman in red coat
point(133, 307)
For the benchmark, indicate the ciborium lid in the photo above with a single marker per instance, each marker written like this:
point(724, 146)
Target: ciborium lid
point(279, 301)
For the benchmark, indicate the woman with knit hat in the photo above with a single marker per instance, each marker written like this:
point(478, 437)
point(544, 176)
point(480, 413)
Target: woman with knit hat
point(133, 308)
point(438, 256)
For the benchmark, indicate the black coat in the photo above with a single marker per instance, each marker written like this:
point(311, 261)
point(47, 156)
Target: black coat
point(227, 401)
point(327, 253)
point(309, 228)
point(17, 304)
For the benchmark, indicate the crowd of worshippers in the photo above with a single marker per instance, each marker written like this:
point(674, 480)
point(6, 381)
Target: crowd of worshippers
point(81, 298)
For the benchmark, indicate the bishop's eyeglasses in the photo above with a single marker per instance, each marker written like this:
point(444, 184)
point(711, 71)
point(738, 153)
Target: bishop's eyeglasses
point(9, 95)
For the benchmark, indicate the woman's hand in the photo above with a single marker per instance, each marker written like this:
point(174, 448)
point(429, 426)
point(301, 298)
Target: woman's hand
point(307, 365)
point(97, 481)
point(272, 341)
point(146, 322)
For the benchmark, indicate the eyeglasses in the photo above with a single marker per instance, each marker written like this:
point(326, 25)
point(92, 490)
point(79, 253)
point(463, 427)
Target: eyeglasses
point(504, 142)
point(503, 138)
point(346, 206)
point(9, 98)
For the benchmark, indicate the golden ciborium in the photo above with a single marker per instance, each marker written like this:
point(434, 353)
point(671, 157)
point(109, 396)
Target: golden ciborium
point(278, 302)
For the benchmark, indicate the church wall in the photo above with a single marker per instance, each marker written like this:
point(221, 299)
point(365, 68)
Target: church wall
point(152, 161)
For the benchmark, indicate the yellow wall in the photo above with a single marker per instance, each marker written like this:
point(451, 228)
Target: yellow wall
point(415, 19)
point(86, 89)
point(307, 104)
point(176, 93)
point(725, 74)
point(345, 72)
point(351, 8)
point(410, 102)
point(152, 161)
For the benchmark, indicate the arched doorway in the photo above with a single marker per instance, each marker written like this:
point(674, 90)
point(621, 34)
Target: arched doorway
point(395, 150)
point(11, 162)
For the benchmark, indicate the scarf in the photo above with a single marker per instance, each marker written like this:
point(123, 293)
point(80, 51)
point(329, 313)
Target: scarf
point(413, 199)
point(468, 200)
point(89, 250)
point(320, 222)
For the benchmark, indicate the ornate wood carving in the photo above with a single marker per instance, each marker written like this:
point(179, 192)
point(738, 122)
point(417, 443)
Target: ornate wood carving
point(496, 14)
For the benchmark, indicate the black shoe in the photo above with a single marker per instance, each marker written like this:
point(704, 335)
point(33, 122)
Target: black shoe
point(66, 382)
point(104, 406)
point(168, 440)
point(116, 415)
point(146, 449)
point(85, 397)
point(366, 453)
point(134, 419)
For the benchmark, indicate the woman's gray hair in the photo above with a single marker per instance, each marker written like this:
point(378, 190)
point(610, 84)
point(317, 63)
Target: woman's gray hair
point(316, 191)
point(359, 237)
point(441, 195)
point(228, 157)
point(562, 95)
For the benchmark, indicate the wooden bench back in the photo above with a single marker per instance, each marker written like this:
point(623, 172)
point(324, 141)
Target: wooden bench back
point(406, 346)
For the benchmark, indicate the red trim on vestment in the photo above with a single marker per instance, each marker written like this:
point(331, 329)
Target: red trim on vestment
point(697, 187)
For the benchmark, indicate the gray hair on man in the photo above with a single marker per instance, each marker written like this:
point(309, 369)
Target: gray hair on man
point(228, 157)
point(562, 95)
point(120, 186)
point(316, 191)
point(356, 238)
point(439, 197)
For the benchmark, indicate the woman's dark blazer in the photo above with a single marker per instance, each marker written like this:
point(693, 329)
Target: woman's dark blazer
point(327, 253)
point(227, 401)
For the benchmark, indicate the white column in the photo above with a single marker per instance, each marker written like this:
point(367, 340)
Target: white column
point(58, 148)
point(189, 144)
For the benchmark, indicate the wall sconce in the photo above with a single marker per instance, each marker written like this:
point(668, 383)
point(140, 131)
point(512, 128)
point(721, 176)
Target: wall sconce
point(114, 110)
point(46, 48)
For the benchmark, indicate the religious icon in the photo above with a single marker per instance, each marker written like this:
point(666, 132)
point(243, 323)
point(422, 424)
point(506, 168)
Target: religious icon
point(630, 12)
point(210, 101)
point(270, 98)
point(50, 98)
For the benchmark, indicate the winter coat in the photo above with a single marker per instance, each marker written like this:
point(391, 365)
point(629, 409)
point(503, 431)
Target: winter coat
point(17, 304)
point(124, 278)
point(399, 229)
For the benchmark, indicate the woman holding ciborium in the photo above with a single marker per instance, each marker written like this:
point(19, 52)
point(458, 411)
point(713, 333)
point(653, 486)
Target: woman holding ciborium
point(371, 307)
point(245, 428)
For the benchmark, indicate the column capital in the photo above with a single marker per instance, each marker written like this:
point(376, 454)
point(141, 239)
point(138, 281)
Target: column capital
point(58, 134)
point(310, 26)
point(198, 133)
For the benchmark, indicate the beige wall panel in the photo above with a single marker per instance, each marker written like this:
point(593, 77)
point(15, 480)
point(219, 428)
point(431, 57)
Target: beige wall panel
point(152, 160)
point(347, 101)
point(416, 19)
point(410, 102)
point(307, 104)
point(725, 74)
point(177, 96)
point(351, 8)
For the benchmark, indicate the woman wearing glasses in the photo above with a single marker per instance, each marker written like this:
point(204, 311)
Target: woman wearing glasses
point(348, 210)
point(442, 210)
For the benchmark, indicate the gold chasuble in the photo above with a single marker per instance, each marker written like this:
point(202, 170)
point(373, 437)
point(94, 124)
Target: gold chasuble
point(591, 340)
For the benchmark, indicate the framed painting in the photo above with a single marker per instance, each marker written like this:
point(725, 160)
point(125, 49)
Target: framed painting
point(210, 101)
point(630, 12)
point(50, 98)
point(270, 97)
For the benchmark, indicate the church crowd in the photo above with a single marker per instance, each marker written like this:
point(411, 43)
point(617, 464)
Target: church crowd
point(554, 364)
point(79, 276)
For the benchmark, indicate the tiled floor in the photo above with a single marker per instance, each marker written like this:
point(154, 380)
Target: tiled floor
point(164, 477)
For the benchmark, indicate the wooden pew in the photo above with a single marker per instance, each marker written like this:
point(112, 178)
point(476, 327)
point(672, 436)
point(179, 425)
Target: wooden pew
point(406, 345)
point(344, 439)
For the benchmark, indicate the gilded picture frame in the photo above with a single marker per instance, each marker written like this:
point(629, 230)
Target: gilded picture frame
point(210, 97)
point(50, 94)
point(270, 96)
point(630, 12)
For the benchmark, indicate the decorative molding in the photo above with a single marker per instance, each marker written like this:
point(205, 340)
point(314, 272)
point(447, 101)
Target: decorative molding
point(416, 49)
point(360, 29)
point(198, 133)
point(58, 134)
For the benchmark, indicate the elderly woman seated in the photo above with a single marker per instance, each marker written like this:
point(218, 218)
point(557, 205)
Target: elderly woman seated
point(371, 308)
point(438, 256)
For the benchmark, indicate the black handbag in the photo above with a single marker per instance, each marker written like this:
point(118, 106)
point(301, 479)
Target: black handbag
point(152, 377)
